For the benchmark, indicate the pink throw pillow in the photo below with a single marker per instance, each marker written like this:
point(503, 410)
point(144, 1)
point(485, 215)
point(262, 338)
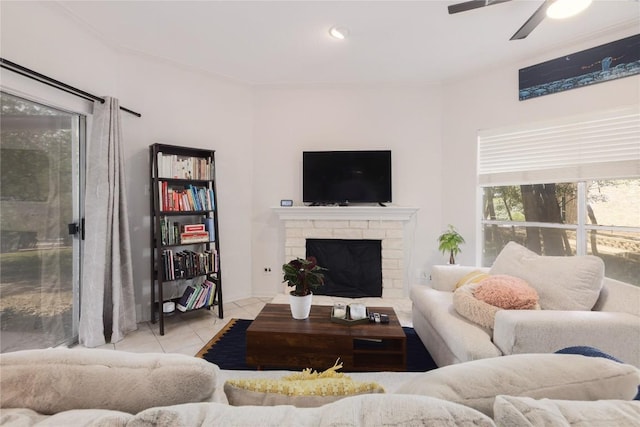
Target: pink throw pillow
point(506, 292)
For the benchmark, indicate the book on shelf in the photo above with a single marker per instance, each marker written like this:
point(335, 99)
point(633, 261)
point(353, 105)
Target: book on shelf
point(194, 237)
point(203, 297)
point(187, 228)
point(209, 294)
point(197, 296)
point(188, 264)
point(181, 198)
point(168, 262)
point(182, 304)
point(212, 292)
point(193, 197)
point(190, 202)
point(194, 296)
point(169, 231)
point(184, 167)
point(163, 231)
point(172, 233)
point(208, 196)
point(209, 227)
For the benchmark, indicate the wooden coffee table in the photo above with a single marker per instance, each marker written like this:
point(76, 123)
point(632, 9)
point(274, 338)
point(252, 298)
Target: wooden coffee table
point(276, 340)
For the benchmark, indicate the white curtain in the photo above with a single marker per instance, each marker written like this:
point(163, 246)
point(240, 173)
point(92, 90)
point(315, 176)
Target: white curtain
point(107, 303)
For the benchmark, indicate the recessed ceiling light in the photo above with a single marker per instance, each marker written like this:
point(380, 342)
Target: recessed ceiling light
point(339, 33)
point(561, 9)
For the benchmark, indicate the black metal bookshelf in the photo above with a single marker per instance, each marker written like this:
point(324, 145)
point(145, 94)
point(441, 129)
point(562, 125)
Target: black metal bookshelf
point(184, 206)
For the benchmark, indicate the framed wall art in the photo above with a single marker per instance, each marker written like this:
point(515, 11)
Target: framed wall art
point(599, 64)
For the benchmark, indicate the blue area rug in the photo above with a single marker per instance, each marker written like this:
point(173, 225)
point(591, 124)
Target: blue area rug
point(227, 349)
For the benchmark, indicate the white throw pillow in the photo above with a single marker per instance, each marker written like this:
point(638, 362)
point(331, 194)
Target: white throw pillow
point(562, 283)
point(553, 376)
point(525, 411)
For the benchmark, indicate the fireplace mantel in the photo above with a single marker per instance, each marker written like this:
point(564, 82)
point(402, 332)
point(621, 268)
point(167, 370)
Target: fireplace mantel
point(356, 213)
point(386, 224)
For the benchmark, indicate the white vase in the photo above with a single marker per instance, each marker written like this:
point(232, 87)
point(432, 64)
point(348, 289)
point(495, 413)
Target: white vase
point(300, 306)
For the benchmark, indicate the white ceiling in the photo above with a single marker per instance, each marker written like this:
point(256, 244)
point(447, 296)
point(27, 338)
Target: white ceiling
point(287, 42)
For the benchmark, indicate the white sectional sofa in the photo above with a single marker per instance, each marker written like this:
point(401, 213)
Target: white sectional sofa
point(90, 387)
point(611, 322)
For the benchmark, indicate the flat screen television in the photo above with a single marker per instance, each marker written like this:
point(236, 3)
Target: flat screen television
point(344, 177)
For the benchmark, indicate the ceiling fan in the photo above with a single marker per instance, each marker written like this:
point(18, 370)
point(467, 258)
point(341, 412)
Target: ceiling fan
point(533, 20)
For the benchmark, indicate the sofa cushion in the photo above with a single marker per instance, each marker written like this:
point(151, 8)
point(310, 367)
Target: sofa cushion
point(554, 376)
point(363, 410)
point(102, 379)
point(304, 390)
point(562, 283)
point(525, 411)
point(592, 352)
point(21, 417)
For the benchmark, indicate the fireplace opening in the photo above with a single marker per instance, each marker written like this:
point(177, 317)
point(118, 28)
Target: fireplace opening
point(354, 266)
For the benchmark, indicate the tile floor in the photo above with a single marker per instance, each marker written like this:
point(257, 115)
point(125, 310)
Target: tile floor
point(187, 333)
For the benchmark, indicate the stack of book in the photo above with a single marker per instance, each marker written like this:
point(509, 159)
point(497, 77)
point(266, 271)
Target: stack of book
point(173, 233)
point(194, 233)
point(197, 296)
point(184, 167)
point(185, 198)
point(169, 231)
point(188, 264)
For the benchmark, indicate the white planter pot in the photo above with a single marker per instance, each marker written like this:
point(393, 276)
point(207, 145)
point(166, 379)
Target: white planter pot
point(300, 306)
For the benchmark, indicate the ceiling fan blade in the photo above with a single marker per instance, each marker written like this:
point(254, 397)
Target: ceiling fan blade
point(473, 4)
point(533, 21)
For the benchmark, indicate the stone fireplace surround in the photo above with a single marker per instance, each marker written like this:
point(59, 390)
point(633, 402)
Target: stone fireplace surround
point(387, 224)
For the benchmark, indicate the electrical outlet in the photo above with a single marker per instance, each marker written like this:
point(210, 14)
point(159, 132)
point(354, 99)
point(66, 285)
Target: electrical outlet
point(267, 270)
point(420, 274)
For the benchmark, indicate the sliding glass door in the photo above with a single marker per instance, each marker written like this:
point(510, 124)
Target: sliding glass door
point(40, 164)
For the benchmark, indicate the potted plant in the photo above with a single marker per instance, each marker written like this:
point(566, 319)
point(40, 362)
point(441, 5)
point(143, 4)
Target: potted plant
point(450, 241)
point(302, 275)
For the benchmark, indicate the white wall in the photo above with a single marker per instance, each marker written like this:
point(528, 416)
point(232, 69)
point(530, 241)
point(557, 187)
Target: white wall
point(290, 120)
point(182, 107)
point(178, 106)
point(490, 100)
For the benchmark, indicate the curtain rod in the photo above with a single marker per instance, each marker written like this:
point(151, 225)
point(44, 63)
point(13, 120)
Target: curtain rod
point(12, 66)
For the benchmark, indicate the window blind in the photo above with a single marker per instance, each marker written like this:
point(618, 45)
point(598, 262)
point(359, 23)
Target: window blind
point(602, 145)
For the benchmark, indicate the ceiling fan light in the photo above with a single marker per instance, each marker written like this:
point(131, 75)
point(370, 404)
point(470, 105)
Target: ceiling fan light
point(339, 33)
point(561, 9)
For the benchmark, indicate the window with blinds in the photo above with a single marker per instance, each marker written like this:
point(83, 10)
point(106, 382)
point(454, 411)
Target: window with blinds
point(565, 187)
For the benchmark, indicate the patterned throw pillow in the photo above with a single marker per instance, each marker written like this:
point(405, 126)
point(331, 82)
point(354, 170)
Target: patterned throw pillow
point(304, 390)
point(475, 276)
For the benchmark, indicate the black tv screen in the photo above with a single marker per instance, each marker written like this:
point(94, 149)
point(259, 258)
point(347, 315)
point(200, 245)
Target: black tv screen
point(343, 177)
